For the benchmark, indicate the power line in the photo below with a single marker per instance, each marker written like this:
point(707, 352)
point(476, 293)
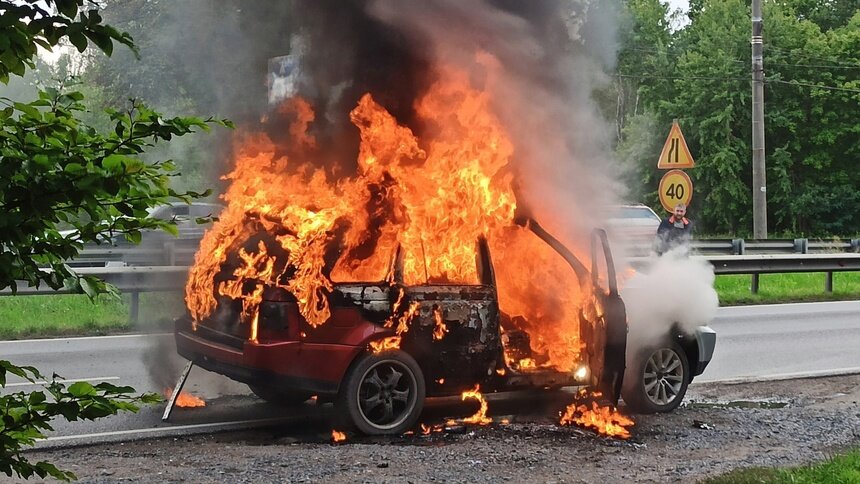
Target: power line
point(692, 78)
point(819, 86)
point(817, 66)
point(850, 63)
point(736, 79)
point(840, 63)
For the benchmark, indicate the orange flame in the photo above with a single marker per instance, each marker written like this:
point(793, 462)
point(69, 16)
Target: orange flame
point(185, 399)
point(393, 342)
point(293, 224)
point(441, 329)
point(385, 344)
point(337, 437)
point(480, 417)
point(605, 420)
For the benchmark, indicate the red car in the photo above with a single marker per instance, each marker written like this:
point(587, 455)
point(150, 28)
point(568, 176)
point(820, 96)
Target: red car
point(379, 379)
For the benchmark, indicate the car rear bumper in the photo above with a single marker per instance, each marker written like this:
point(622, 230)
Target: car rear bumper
point(293, 365)
point(706, 340)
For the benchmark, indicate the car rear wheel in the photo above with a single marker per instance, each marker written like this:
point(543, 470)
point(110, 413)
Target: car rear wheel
point(279, 396)
point(382, 394)
point(657, 380)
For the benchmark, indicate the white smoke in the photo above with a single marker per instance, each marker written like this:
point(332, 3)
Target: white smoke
point(675, 290)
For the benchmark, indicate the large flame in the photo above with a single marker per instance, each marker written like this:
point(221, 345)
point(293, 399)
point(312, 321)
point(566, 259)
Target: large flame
point(292, 224)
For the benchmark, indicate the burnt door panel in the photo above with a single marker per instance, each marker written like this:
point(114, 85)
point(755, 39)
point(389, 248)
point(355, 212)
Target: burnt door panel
point(454, 334)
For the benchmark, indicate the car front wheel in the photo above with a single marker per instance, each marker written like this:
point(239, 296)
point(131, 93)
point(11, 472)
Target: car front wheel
point(657, 379)
point(382, 394)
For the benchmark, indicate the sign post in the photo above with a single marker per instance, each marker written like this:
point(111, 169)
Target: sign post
point(675, 186)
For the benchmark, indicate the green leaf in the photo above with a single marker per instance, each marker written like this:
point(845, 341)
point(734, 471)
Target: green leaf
point(88, 286)
point(82, 389)
point(79, 40)
point(67, 8)
point(171, 229)
point(73, 168)
point(134, 237)
point(103, 41)
point(113, 163)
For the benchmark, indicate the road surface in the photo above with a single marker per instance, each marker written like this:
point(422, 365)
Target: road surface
point(752, 341)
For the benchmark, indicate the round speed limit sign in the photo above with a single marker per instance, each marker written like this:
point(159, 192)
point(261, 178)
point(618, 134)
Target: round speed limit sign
point(675, 187)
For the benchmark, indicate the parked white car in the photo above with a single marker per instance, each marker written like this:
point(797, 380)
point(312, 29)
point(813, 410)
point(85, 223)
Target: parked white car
point(633, 228)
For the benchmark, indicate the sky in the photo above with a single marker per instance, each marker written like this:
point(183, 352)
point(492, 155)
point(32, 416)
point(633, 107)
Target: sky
point(677, 4)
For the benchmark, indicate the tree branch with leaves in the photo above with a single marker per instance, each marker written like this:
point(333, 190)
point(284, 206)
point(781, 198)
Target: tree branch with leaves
point(56, 171)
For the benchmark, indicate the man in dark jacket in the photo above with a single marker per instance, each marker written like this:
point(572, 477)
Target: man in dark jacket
point(674, 230)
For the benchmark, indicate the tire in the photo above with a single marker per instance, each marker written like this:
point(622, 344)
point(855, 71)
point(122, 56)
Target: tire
point(656, 381)
point(278, 396)
point(382, 394)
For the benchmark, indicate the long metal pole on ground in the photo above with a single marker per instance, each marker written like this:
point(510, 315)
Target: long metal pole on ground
point(759, 180)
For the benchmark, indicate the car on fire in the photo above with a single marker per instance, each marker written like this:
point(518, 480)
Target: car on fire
point(387, 345)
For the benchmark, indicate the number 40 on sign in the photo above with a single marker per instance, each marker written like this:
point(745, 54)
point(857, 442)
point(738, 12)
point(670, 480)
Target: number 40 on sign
point(675, 187)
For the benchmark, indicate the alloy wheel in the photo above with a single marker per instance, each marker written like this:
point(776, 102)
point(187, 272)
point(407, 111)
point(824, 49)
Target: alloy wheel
point(387, 394)
point(664, 376)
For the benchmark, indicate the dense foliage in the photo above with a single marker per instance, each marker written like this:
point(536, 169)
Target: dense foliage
point(57, 171)
point(700, 73)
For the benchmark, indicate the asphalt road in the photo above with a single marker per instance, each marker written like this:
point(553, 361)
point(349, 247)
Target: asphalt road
point(785, 340)
point(752, 342)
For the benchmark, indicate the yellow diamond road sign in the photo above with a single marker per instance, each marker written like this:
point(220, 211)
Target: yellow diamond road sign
point(675, 187)
point(675, 153)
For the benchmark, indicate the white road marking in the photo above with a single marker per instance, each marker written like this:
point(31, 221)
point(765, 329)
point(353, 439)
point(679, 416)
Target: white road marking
point(785, 376)
point(235, 423)
point(62, 380)
point(84, 338)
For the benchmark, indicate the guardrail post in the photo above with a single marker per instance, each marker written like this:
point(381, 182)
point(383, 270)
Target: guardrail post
point(828, 282)
point(855, 245)
point(134, 308)
point(170, 253)
point(801, 246)
point(738, 246)
point(754, 283)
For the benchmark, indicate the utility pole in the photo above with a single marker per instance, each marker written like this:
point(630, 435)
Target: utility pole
point(759, 179)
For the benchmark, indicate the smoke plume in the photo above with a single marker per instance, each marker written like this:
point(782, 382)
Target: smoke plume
point(675, 290)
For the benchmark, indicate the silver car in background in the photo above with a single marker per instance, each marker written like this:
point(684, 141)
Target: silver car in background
point(633, 229)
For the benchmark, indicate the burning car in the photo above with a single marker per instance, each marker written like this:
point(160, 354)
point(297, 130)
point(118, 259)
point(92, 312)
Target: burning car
point(409, 272)
point(390, 345)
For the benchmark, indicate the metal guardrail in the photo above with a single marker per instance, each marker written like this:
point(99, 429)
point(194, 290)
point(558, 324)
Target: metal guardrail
point(135, 280)
point(774, 246)
point(161, 262)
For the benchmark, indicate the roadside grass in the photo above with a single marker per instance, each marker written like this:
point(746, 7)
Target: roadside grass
point(75, 315)
point(781, 288)
point(841, 469)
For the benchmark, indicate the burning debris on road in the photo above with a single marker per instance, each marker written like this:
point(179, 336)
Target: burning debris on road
point(185, 399)
point(603, 419)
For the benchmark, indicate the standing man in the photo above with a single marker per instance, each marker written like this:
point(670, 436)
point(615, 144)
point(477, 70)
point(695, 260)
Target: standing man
point(674, 231)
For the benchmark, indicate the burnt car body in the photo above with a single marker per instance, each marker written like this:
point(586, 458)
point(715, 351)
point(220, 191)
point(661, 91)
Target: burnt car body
point(381, 391)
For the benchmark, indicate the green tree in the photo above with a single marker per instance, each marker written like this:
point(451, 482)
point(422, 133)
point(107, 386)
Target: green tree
point(54, 168)
point(812, 102)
